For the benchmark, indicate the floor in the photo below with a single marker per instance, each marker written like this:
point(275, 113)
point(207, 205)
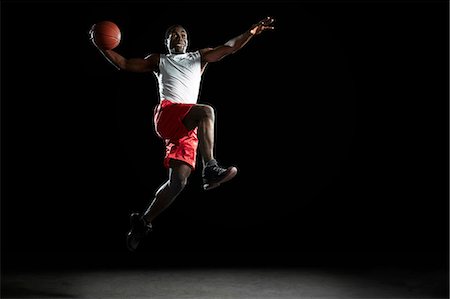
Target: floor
point(225, 282)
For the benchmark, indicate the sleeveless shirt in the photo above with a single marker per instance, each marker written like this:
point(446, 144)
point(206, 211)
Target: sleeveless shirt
point(179, 77)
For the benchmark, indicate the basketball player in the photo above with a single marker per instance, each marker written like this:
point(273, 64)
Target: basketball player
point(179, 120)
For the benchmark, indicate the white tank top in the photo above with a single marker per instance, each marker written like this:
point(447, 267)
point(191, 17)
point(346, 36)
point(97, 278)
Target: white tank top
point(179, 77)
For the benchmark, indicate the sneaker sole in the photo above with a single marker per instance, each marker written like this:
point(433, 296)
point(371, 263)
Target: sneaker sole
point(231, 174)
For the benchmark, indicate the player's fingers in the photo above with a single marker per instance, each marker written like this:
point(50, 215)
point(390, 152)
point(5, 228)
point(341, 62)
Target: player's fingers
point(267, 21)
point(262, 21)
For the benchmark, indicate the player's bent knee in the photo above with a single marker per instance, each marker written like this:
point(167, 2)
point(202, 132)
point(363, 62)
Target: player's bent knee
point(208, 112)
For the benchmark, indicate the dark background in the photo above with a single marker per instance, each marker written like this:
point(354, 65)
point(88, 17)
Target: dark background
point(337, 121)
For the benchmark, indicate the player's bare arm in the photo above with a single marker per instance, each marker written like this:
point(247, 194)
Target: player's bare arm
point(137, 65)
point(235, 44)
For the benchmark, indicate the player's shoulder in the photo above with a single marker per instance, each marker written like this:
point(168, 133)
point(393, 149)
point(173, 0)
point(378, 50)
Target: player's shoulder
point(202, 52)
point(153, 56)
point(152, 61)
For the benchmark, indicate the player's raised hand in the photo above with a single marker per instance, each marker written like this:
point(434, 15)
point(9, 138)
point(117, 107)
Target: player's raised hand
point(262, 25)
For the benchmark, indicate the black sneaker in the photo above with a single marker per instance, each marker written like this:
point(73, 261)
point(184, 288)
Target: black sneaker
point(139, 229)
point(214, 175)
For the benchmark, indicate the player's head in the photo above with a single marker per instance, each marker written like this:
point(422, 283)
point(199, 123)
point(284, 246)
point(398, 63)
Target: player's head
point(176, 39)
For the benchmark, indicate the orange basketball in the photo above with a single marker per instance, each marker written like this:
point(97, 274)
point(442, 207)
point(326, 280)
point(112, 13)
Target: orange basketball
point(106, 35)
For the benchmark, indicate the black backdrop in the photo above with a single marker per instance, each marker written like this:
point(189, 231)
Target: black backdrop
point(337, 121)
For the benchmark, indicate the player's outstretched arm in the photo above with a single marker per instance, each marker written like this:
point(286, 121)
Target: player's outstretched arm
point(138, 65)
point(235, 44)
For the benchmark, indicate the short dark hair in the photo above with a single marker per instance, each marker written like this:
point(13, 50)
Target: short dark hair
point(170, 29)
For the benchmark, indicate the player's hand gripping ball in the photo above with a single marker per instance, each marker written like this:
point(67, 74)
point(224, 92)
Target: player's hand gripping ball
point(105, 34)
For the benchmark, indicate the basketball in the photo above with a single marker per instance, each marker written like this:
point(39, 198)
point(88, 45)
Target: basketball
point(106, 35)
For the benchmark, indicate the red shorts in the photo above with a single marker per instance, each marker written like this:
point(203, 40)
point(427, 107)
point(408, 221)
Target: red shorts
point(181, 143)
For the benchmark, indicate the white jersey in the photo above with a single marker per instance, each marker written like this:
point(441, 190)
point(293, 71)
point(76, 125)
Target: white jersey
point(179, 77)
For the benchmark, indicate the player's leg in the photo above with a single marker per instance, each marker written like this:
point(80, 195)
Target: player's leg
point(165, 195)
point(203, 117)
point(179, 173)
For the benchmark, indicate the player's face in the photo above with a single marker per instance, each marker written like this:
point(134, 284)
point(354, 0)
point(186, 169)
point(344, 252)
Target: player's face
point(177, 41)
